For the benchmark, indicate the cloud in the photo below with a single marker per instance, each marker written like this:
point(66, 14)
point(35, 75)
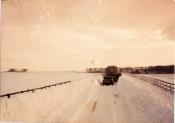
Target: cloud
point(169, 32)
point(125, 31)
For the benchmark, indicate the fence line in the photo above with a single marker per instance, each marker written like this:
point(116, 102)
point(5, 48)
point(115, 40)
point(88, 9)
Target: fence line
point(34, 89)
point(163, 84)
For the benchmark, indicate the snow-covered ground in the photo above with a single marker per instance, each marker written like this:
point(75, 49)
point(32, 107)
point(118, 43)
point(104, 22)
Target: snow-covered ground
point(12, 82)
point(165, 77)
point(86, 101)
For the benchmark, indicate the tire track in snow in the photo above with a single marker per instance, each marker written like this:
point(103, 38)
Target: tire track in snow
point(84, 107)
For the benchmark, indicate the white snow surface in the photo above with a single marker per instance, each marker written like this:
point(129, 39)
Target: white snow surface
point(164, 77)
point(86, 101)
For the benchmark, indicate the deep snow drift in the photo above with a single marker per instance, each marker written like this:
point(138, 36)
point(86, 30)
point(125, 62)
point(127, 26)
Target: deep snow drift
point(86, 101)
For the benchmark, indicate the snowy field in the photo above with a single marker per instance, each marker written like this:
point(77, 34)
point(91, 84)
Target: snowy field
point(12, 82)
point(165, 77)
point(86, 101)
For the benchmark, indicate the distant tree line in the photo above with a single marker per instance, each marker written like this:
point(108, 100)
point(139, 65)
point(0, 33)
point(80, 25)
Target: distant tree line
point(15, 70)
point(95, 70)
point(159, 69)
point(169, 69)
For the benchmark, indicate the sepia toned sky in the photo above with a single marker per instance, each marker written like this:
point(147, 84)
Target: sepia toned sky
point(53, 35)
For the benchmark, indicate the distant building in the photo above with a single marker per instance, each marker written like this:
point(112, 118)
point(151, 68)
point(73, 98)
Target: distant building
point(12, 70)
point(23, 70)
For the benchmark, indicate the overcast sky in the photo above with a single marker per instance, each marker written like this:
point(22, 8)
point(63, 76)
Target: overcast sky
point(75, 34)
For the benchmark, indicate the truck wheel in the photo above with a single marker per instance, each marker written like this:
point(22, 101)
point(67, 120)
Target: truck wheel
point(112, 82)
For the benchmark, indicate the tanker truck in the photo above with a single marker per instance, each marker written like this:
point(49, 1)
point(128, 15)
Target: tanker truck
point(111, 75)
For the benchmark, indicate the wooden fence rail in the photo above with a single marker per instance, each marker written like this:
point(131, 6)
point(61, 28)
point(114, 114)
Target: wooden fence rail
point(34, 89)
point(163, 84)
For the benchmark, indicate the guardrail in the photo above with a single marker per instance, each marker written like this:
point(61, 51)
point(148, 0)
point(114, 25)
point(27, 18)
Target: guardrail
point(163, 84)
point(34, 89)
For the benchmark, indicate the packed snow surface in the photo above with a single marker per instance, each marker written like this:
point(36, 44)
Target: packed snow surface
point(85, 100)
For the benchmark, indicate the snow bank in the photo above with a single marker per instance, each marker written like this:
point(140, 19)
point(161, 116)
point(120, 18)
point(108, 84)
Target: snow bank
point(148, 103)
point(43, 105)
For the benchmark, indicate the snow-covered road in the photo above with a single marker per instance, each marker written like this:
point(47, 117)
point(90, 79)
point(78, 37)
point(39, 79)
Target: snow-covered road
point(86, 101)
